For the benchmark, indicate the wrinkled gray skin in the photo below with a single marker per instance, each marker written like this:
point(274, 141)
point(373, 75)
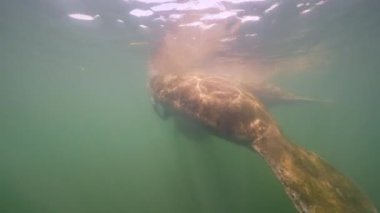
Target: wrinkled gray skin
point(230, 111)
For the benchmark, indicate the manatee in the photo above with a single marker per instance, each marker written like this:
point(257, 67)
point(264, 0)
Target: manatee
point(229, 110)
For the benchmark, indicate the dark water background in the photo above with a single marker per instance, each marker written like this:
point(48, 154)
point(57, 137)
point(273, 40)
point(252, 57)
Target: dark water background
point(78, 133)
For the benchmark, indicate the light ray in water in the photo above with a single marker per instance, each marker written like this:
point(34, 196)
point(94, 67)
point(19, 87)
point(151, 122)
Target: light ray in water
point(250, 18)
point(218, 16)
point(198, 24)
point(141, 13)
point(83, 17)
point(151, 1)
point(188, 6)
point(274, 6)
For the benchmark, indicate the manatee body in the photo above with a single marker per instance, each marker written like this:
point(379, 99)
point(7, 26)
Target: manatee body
point(231, 111)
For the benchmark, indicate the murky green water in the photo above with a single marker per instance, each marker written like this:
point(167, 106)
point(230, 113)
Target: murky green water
point(78, 132)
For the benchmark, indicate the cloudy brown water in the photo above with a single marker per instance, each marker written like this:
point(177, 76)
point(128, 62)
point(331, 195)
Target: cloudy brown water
point(78, 132)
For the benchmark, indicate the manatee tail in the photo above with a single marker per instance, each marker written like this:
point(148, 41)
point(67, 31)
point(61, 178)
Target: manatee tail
point(312, 184)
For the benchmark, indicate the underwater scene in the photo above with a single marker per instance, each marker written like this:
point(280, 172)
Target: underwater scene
point(189, 106)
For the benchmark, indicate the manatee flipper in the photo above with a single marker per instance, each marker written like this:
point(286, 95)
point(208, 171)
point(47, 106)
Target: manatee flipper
point(185, 125)
point(190, 128)
point(272, 95)
point(233, 113)
point(160, 110)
